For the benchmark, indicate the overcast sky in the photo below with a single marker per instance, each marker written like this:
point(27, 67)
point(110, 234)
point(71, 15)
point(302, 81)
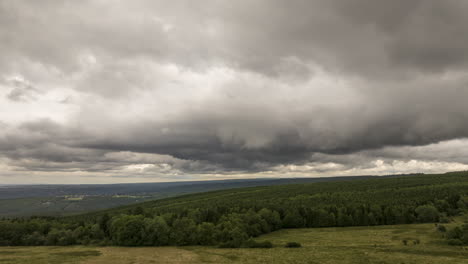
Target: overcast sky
point(138, 91)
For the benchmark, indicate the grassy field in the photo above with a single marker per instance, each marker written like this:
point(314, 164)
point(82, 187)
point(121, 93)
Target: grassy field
point(380, 244)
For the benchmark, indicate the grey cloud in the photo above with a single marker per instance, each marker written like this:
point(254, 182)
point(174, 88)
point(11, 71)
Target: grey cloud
point(235, 86)
point(239, 33)
point(21, 90)
point(370, 38)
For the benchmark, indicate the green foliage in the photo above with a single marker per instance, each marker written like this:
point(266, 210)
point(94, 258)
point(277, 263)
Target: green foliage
point(231, 232)
point(184, 231)
point(255, 244)
point(272, 218)
point(293, 219)
point(206, 234)
point(156, 232)
point(458, 235)
point(104, 224)
point(60, 237)
point(34, 239)
point(234, 238)
point(128, 230)
point(427, 213)
point(455, 242)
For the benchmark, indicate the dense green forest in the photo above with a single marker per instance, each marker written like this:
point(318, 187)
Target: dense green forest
point(230, 218)
point(61, 200)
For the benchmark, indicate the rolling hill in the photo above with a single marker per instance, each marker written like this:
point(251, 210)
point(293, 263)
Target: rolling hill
point(56, 200)
point(231, 218)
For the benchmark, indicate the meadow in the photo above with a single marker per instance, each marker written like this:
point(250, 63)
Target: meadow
point(350, 245)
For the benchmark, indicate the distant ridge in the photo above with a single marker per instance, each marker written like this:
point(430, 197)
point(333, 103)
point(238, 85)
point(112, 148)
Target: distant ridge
point(60, 199)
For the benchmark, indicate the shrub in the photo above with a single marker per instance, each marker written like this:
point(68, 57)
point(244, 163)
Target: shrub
point(427, 213)
point(405, 242)
point(455, 233)
point(254, 244)
point(293, 245)
point(455, 242)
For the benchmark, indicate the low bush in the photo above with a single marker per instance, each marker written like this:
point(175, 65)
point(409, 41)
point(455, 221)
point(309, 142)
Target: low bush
point(455, 242)
point(293, 245)
point(254, 244)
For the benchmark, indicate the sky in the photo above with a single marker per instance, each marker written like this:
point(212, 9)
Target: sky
point(100, 91)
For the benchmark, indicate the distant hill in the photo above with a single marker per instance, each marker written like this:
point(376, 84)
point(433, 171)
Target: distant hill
point(52, 200)
point(47, 190)
point(395, 190)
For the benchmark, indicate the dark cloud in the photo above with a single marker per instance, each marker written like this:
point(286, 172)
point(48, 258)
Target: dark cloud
point(370, 37)
point(231, 87)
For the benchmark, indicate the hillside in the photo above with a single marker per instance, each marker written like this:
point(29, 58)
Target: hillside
point(230, 218)
point(397, 190)
point(56, 200)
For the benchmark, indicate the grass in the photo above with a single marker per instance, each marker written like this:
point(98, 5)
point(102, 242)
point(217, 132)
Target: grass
point(349, 245)
point(46, 255)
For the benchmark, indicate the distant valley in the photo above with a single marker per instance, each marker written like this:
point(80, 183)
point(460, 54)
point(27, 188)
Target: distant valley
point(56, 200)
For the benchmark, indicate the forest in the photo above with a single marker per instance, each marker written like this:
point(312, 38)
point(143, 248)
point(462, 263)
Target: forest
point(61, 200)
point(231, 218)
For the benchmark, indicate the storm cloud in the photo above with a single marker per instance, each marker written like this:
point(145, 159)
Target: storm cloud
point(108, 91)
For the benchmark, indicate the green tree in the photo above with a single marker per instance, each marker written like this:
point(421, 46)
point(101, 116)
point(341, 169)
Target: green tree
point(128, 230)
point(427, 213)
point(343, 219)
point(34, 239)
point(183, 232)
point(206, 234)
point(104, 224)
point(156, 232)
point(272, 218)
point(293, 219)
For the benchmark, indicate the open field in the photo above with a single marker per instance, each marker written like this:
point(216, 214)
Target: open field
point(379, 244)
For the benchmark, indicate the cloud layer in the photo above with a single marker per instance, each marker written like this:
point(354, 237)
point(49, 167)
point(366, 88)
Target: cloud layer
point(101, 91)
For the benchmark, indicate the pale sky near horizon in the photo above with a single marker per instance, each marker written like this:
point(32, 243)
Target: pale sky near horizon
point(102, 91)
